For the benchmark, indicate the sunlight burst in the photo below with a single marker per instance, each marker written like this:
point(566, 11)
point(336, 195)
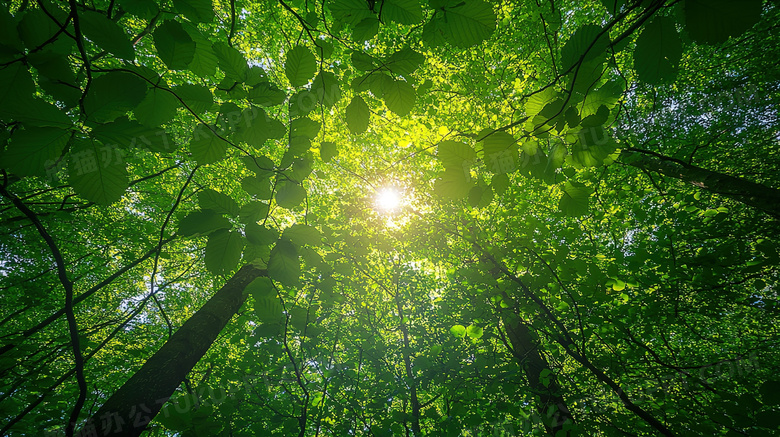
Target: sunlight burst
point(388, 199)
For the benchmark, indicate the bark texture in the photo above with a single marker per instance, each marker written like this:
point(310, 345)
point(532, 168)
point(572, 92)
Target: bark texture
point(750, 193)
point(127, 412)
point(552, 407)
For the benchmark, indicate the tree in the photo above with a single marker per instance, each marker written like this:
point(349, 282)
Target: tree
point(389, 217)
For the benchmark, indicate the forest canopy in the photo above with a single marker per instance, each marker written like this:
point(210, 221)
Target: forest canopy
point(389, 218)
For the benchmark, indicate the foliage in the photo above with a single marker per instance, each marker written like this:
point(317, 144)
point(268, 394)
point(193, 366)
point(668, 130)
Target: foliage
point(150, 149)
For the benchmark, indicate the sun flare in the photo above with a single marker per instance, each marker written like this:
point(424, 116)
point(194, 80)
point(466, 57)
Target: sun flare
point(388, 199)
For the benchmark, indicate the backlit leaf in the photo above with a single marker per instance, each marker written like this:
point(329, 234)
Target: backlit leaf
point(358, 115)
point(218, 202)
point(97, 173)
point(174, 45)
point(284, 265)
point(300, 66)
point(107, 34)
point(223, 251)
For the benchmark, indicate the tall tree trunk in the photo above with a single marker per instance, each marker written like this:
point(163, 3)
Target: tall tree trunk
point(409, 371)
point(128, 411)
point(750, 193)
point(552, 408)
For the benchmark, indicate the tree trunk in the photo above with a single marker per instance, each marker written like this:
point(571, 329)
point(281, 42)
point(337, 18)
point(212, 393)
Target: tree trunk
point(409, 371)
point(552, 408)
point(128, 411)
point(750, 193)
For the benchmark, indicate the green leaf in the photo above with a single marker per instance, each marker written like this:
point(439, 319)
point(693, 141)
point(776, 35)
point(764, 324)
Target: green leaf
point(500, 183)
point(255, 127)
point(362, 61)
point(301, 168)
point(34, 112)
point(769, 419)
point(500, 152)
point(365, 30)
point(31, 151)
point(204, 61)
point(145, 9)
point(261, 165)
point(468, 23)
point(555, 160)
point(585, 45)
point(480, 196)
point(538, 101)
point(714, 21)
point(131, 135)
point(197, 98)
point(592, 147)
point(404, 61)
point(433, 33)
point(303, 235)
point(113, 94)
point(586, 77)
point(298, 147)
point(455, 154)
point(328, 151)
point(458, 331)
point(198, 11)
point(575, 199)
point(174, 45)
point(284, 265)
point(260, 235)
point(300, 66)
point(304, 127)
point(37, 28)
point(474, 331)
point(267, 94)
point(15, 83)
point(302, 103)
point(658, 52)
point(358, 115)
point(607, 95)
point(617, 284)
point(270, 312)
point(107, 34)
point(402, 11)
point(223, 251)
point(261, 288)
point(231, 61)
point(11, 46)
point(96, 172)
point(257, 186)
point(326, 88)
point(55, 76)
point(379, 83)
point(399, 97)
point(218, 202)
point(202, 223)
point(206, 147)
point(597, 119)
point(289, 195)
point(253, 212)
point(157, 108)
point(349, 11)
point(324, 49)
point(453, 184)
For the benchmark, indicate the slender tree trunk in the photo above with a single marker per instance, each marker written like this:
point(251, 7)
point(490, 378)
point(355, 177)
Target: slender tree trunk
point(750, 193)
point(409, 371)
point(552, 408)
point(128, 411)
